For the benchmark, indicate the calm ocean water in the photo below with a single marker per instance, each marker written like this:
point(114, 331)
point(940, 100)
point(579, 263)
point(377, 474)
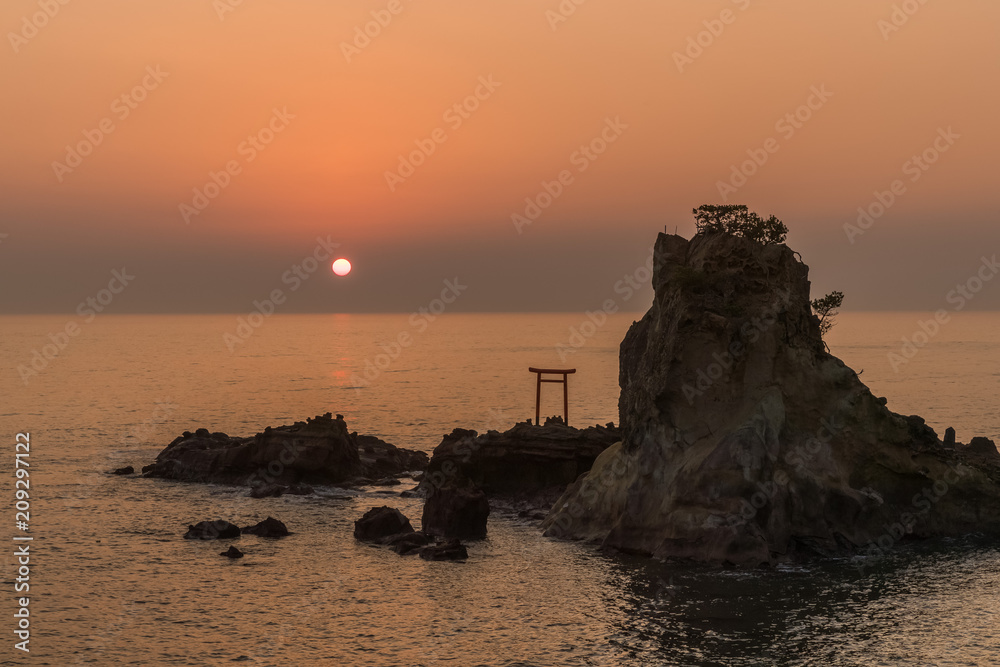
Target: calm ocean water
point(114, 583)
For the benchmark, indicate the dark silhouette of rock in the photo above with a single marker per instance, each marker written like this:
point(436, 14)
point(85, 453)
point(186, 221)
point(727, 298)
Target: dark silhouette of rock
point(745, 441)
point(983, 447)
point(319, 451)
point(212, 530)
point(299, 490)
point(269, 527)
point(266, 491)
point(407, 544)
point(379, 523)
point(232, 552)
point(127, 470)
point(523, 460)
point(456, 511)
point(381, 459)
point(387, 481)
point(949, 437)
point(451, 550)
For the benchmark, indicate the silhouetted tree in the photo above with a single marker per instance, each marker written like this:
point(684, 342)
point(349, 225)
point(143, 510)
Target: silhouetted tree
point(826, 309)
point(738, 220)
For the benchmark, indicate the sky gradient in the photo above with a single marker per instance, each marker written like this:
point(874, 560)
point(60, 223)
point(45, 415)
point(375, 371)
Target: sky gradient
point(642, 108)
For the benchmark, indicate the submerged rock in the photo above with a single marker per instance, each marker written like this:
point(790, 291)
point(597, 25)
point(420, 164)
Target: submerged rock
point(232, 552)
point(379, 523)
point(269, 527)
point(127, 470)
point(452, 550)
point(407, 544)
point(319, 450)
point(744, 441)
point(456, 511)
point(212, 530)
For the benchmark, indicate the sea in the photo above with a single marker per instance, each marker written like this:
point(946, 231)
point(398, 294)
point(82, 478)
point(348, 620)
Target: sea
point(112, 582)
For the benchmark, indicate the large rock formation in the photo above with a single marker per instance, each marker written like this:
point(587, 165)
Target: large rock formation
point(319, 450)
point(744, 441)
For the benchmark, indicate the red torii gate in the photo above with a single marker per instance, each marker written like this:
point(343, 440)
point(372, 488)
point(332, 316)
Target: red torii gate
point(538, 389)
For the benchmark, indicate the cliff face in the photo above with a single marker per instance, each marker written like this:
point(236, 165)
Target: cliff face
point(744, 441)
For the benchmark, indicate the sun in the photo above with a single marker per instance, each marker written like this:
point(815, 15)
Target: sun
point(341, 267)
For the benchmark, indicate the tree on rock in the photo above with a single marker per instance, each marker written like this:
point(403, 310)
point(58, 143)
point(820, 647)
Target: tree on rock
point(738, 220)
point(826, 309)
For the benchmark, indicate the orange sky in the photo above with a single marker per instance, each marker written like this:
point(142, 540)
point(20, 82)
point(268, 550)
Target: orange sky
point(325, 171)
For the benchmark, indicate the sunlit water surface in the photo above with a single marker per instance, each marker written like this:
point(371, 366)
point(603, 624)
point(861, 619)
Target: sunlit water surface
point(114, 583)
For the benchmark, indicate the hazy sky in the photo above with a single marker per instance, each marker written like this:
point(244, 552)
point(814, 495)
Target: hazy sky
point(116, 114)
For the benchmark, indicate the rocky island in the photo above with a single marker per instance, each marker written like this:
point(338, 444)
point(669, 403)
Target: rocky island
point(320, 450)
point(745, 441)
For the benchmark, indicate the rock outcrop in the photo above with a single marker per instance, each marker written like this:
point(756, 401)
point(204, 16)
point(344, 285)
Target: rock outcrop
point(279, 460)
point(745, 441)
point(269, 527)
point(456, 511)
point(524, 459)
point(381, 523)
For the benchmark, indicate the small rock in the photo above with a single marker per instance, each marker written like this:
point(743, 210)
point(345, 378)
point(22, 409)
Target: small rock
point(949, 438)
point(269, 527)
point(381, 522)
point(452, 550)
point(456, 511)
point(202, 433)
point(212, 530)
point(232, 552)
point(127, 470)
point(407, 544)
point(984, 446)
